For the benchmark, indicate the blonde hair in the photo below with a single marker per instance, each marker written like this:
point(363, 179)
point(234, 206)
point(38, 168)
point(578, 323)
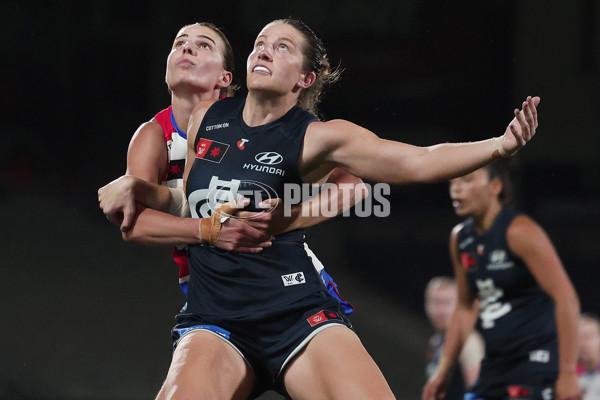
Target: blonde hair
point(590, 317)
point(439, 281)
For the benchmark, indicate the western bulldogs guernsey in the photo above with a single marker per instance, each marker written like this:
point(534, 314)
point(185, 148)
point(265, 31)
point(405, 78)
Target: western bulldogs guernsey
point(516, 316)
point(235, 160)
point(176, 142)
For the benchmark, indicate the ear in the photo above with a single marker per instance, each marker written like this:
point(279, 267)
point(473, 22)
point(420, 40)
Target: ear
point(307, 80)
point(496, 186)
point(225, 79)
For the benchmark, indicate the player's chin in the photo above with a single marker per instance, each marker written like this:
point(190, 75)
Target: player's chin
point(461, 211)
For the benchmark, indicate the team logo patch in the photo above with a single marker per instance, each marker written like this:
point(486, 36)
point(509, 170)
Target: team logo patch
point(211, 150)
point(297, 278)
point(517, 392)
point(547, 393)
point(321, 317)
point(241, 143)
point(480, 249)
point(541, 356)
point(467, 261)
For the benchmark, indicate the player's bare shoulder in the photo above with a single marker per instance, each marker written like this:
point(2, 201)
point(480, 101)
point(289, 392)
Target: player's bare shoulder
point(322, 137)
point(148, 131)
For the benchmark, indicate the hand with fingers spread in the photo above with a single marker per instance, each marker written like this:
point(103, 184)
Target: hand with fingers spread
point(520, 130)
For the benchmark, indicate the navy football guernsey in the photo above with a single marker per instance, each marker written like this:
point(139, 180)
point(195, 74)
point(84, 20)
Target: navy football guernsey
point(233, 159)
point(516, 317)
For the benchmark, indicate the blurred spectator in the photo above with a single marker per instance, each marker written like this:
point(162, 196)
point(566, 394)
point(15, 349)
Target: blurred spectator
point(440, 302)
point(588, 367)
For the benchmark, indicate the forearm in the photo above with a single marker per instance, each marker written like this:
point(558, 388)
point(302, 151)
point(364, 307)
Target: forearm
point(446, 161)
point(399, 163)
point(338, 195)
point(157, 228)
point(151, 195)
point(567, 320)
point(331, 202)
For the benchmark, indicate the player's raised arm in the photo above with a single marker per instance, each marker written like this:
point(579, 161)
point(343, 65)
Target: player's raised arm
point(364, 154)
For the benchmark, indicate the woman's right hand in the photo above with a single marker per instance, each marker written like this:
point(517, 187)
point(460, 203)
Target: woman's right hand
point(435, 388)
point(117, 201)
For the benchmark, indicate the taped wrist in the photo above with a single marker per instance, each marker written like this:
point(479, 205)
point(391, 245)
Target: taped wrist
point(178, 205)
point(210, 228)
point(497, 150)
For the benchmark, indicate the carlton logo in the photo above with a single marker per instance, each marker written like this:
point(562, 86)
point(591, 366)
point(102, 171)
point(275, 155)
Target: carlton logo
point(269, 158)
point(203, 202)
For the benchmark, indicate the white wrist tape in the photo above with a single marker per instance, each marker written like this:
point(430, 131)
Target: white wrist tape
point(497, 147)
point(178, 205)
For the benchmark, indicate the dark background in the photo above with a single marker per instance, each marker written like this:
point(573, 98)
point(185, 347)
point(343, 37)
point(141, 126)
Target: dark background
point(85, 316)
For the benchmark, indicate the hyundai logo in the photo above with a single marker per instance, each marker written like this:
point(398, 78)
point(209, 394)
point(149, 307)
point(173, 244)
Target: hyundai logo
point(269, 158)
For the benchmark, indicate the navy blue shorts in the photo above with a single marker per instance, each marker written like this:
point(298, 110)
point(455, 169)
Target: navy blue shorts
point(269, 340)
point(524, 378)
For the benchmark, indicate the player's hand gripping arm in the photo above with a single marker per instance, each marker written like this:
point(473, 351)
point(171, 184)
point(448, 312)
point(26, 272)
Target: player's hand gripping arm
point(121, 200)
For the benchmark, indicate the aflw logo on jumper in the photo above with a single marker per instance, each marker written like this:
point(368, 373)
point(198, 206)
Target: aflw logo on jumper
point(211, 150)
point(321, 317)
point(297, 278)
point(267, 158)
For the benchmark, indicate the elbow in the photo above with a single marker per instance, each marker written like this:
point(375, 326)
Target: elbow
point(130, 237)
point(422, 175)
point(433, 179)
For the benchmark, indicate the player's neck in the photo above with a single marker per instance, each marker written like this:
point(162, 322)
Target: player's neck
point(484, 221)
point(262, 108)
point(183, 105)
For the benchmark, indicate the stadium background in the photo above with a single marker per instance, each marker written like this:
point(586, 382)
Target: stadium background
point(86, 316)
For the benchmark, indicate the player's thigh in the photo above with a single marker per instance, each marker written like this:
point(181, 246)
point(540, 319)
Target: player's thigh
point(204, 366)
point(335, 365)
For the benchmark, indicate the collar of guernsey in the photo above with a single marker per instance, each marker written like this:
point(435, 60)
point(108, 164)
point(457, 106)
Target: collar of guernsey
point(179, 131)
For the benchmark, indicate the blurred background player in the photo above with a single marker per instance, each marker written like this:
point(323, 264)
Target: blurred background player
point(512, 282)
point(440, 302)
